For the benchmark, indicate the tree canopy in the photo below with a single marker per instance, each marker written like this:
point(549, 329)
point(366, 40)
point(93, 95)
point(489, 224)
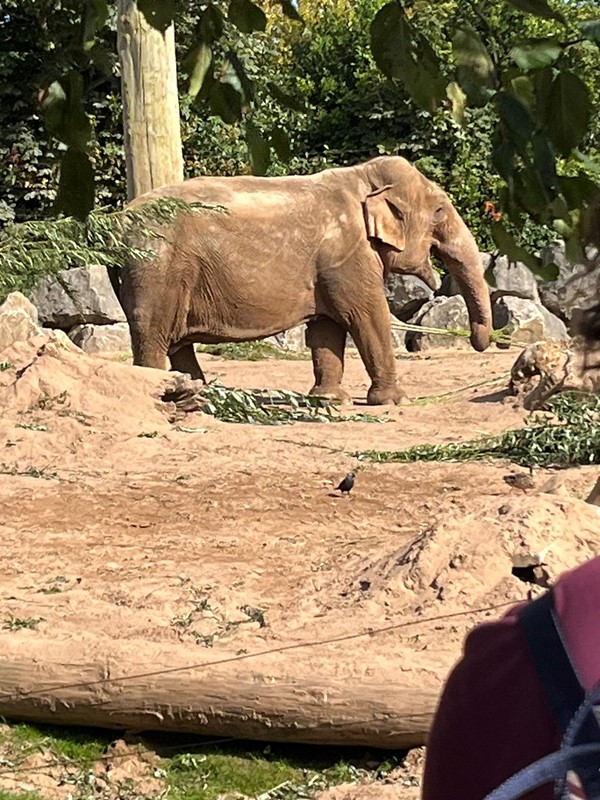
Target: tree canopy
point(494, 99)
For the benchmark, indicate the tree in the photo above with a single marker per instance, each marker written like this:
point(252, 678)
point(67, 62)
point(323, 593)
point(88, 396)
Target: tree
point(151, 125)
point(540, 106)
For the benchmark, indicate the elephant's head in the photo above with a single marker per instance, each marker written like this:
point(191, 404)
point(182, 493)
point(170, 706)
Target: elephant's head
point(406, 216)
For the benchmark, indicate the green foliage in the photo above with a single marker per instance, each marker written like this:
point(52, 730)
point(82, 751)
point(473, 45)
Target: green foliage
point(251, 351)
point(538, 86)
point(30, 251)
point(569, 436)
point(273, 407)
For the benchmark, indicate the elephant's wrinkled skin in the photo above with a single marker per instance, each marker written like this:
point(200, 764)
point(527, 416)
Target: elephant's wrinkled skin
point(299, 249)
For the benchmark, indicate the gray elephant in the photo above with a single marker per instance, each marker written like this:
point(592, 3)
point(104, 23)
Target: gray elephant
point(313, 249)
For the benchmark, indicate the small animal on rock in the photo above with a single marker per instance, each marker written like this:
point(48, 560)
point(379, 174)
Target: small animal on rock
point(347, 484)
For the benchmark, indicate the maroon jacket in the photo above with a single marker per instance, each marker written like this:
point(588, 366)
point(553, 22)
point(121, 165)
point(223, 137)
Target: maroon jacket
point(493, 718)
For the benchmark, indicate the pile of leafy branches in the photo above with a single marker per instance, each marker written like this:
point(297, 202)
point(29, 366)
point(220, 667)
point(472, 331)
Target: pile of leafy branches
point(567, 436)
point(252, 351)
point(273, 407)
point(32, 250)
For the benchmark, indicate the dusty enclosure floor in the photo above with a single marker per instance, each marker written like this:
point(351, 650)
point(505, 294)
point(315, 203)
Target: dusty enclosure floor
point(227, 537)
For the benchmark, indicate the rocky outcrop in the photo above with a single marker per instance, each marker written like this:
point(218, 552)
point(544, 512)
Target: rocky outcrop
point(79, 296)
point(102, 338)
point(18, 320)
point(405, 295)
point(527, 322)
point(577, 287)
point(445, 313)
point(293, 339)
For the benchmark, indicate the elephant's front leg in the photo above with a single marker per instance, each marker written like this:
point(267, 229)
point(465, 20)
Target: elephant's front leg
point(370, 328)
point(184, 360)
point(327, 341)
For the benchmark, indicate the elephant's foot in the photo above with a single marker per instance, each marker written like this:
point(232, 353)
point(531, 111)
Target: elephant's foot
point(386, 396)
point(331, 392)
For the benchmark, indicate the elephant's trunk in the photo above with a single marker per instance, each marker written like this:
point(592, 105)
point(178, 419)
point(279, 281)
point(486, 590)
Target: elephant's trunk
point(457, 248)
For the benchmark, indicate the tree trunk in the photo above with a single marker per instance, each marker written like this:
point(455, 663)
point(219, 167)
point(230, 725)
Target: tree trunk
point(286, 697)
point(150, 102)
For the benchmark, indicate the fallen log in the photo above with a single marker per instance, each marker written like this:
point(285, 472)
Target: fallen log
point(145, 686)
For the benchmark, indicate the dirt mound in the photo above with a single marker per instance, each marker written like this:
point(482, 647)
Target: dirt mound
point(50, 372)
point(475, 558)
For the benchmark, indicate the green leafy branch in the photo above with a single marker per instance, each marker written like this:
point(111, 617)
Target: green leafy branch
point(30, 251)
point(273, 407)
point(568, 436)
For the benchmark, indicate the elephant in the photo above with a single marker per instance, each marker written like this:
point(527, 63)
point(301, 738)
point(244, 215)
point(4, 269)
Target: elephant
point(272, 253)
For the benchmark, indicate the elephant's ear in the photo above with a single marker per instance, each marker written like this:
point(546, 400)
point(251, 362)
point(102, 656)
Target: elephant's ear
point(384, 220)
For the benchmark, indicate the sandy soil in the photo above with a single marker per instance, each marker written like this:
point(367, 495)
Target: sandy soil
point(230, 537)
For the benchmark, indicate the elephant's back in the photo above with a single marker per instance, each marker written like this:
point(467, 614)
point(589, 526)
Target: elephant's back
point(240, 192)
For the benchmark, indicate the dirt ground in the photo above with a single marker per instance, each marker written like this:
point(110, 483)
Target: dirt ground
point(120, 525)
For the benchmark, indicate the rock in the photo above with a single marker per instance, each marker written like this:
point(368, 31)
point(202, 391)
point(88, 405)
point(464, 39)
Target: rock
point(527, 322)
point(511, 276)
point(575, 288)
point(293, 339)
point(441, 312)
point(508, 276)
point(90, 299)
point(102, 338)
point(18, 320)
point(405, 295)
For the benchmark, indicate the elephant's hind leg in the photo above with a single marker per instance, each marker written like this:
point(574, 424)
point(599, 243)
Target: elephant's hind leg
point(327, 341)
point(184, 360)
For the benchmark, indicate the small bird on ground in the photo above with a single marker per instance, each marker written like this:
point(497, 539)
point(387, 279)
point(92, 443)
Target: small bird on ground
point(521, 480)
point(345, 486)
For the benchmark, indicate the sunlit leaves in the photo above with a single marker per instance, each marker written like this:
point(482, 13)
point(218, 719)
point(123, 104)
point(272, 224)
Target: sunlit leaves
point(198, 64)
point(158, 13)
point(567, 111)
point(247, 16)
point(400, 51)
point(75, 196)
point(458, 100)
point(535, 53)
point(64, 114)
point(541, 8)
point(475, 69)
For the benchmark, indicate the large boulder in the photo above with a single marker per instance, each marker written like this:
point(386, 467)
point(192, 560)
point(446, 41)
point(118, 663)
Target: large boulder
point(447, 313)
point(511, 276)
point(87, 297)
point(102, 338)
point(507, 276)
point(293, 339)
point(405, 295)
point(18, 320)
point(527, 322)
point(575, 288)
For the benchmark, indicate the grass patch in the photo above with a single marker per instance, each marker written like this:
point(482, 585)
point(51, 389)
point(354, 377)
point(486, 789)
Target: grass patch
point(21, 623)
point(252, 351)
point(195, 770)
point(81, 745)
point(569, 435)
point(273, 771)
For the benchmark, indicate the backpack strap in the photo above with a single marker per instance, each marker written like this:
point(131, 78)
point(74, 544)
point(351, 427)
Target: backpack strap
point(572, 709)
point(555, 766)
point(554, 667)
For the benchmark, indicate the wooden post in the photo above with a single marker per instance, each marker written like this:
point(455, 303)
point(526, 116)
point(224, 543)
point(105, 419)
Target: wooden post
point(150, 102)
